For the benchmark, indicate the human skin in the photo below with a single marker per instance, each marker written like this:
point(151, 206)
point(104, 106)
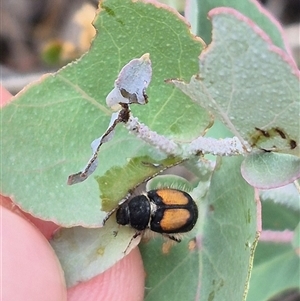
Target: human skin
point(31, 271)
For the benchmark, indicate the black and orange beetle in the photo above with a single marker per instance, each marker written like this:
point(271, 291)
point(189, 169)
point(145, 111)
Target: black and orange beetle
point(166, 211)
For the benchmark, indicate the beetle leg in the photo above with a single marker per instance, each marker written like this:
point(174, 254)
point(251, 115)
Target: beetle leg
point(136, 234)
point(172, 237)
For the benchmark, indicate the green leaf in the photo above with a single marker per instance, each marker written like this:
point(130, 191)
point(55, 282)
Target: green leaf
point(270, 170)
point(296, 240)
point(287, 195)
point(249, 84)
point(276, 265)
point(229, 234)
point(252, 9)
point(111, 189)
point(47, 130)
point(169, 181)
point(279, 217)
point(84, 253)
point(171, 274)
point(276, 270)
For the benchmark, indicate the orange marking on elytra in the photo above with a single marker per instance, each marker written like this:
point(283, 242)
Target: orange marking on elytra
point(174, 219)
point(172, 197)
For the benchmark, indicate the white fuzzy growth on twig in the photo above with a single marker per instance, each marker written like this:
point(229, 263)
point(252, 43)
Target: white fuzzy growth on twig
point(151, 137)
point(203, 145)
point(217, 147)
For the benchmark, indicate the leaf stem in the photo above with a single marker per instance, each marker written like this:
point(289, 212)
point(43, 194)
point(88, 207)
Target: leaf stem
point(285, 236)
